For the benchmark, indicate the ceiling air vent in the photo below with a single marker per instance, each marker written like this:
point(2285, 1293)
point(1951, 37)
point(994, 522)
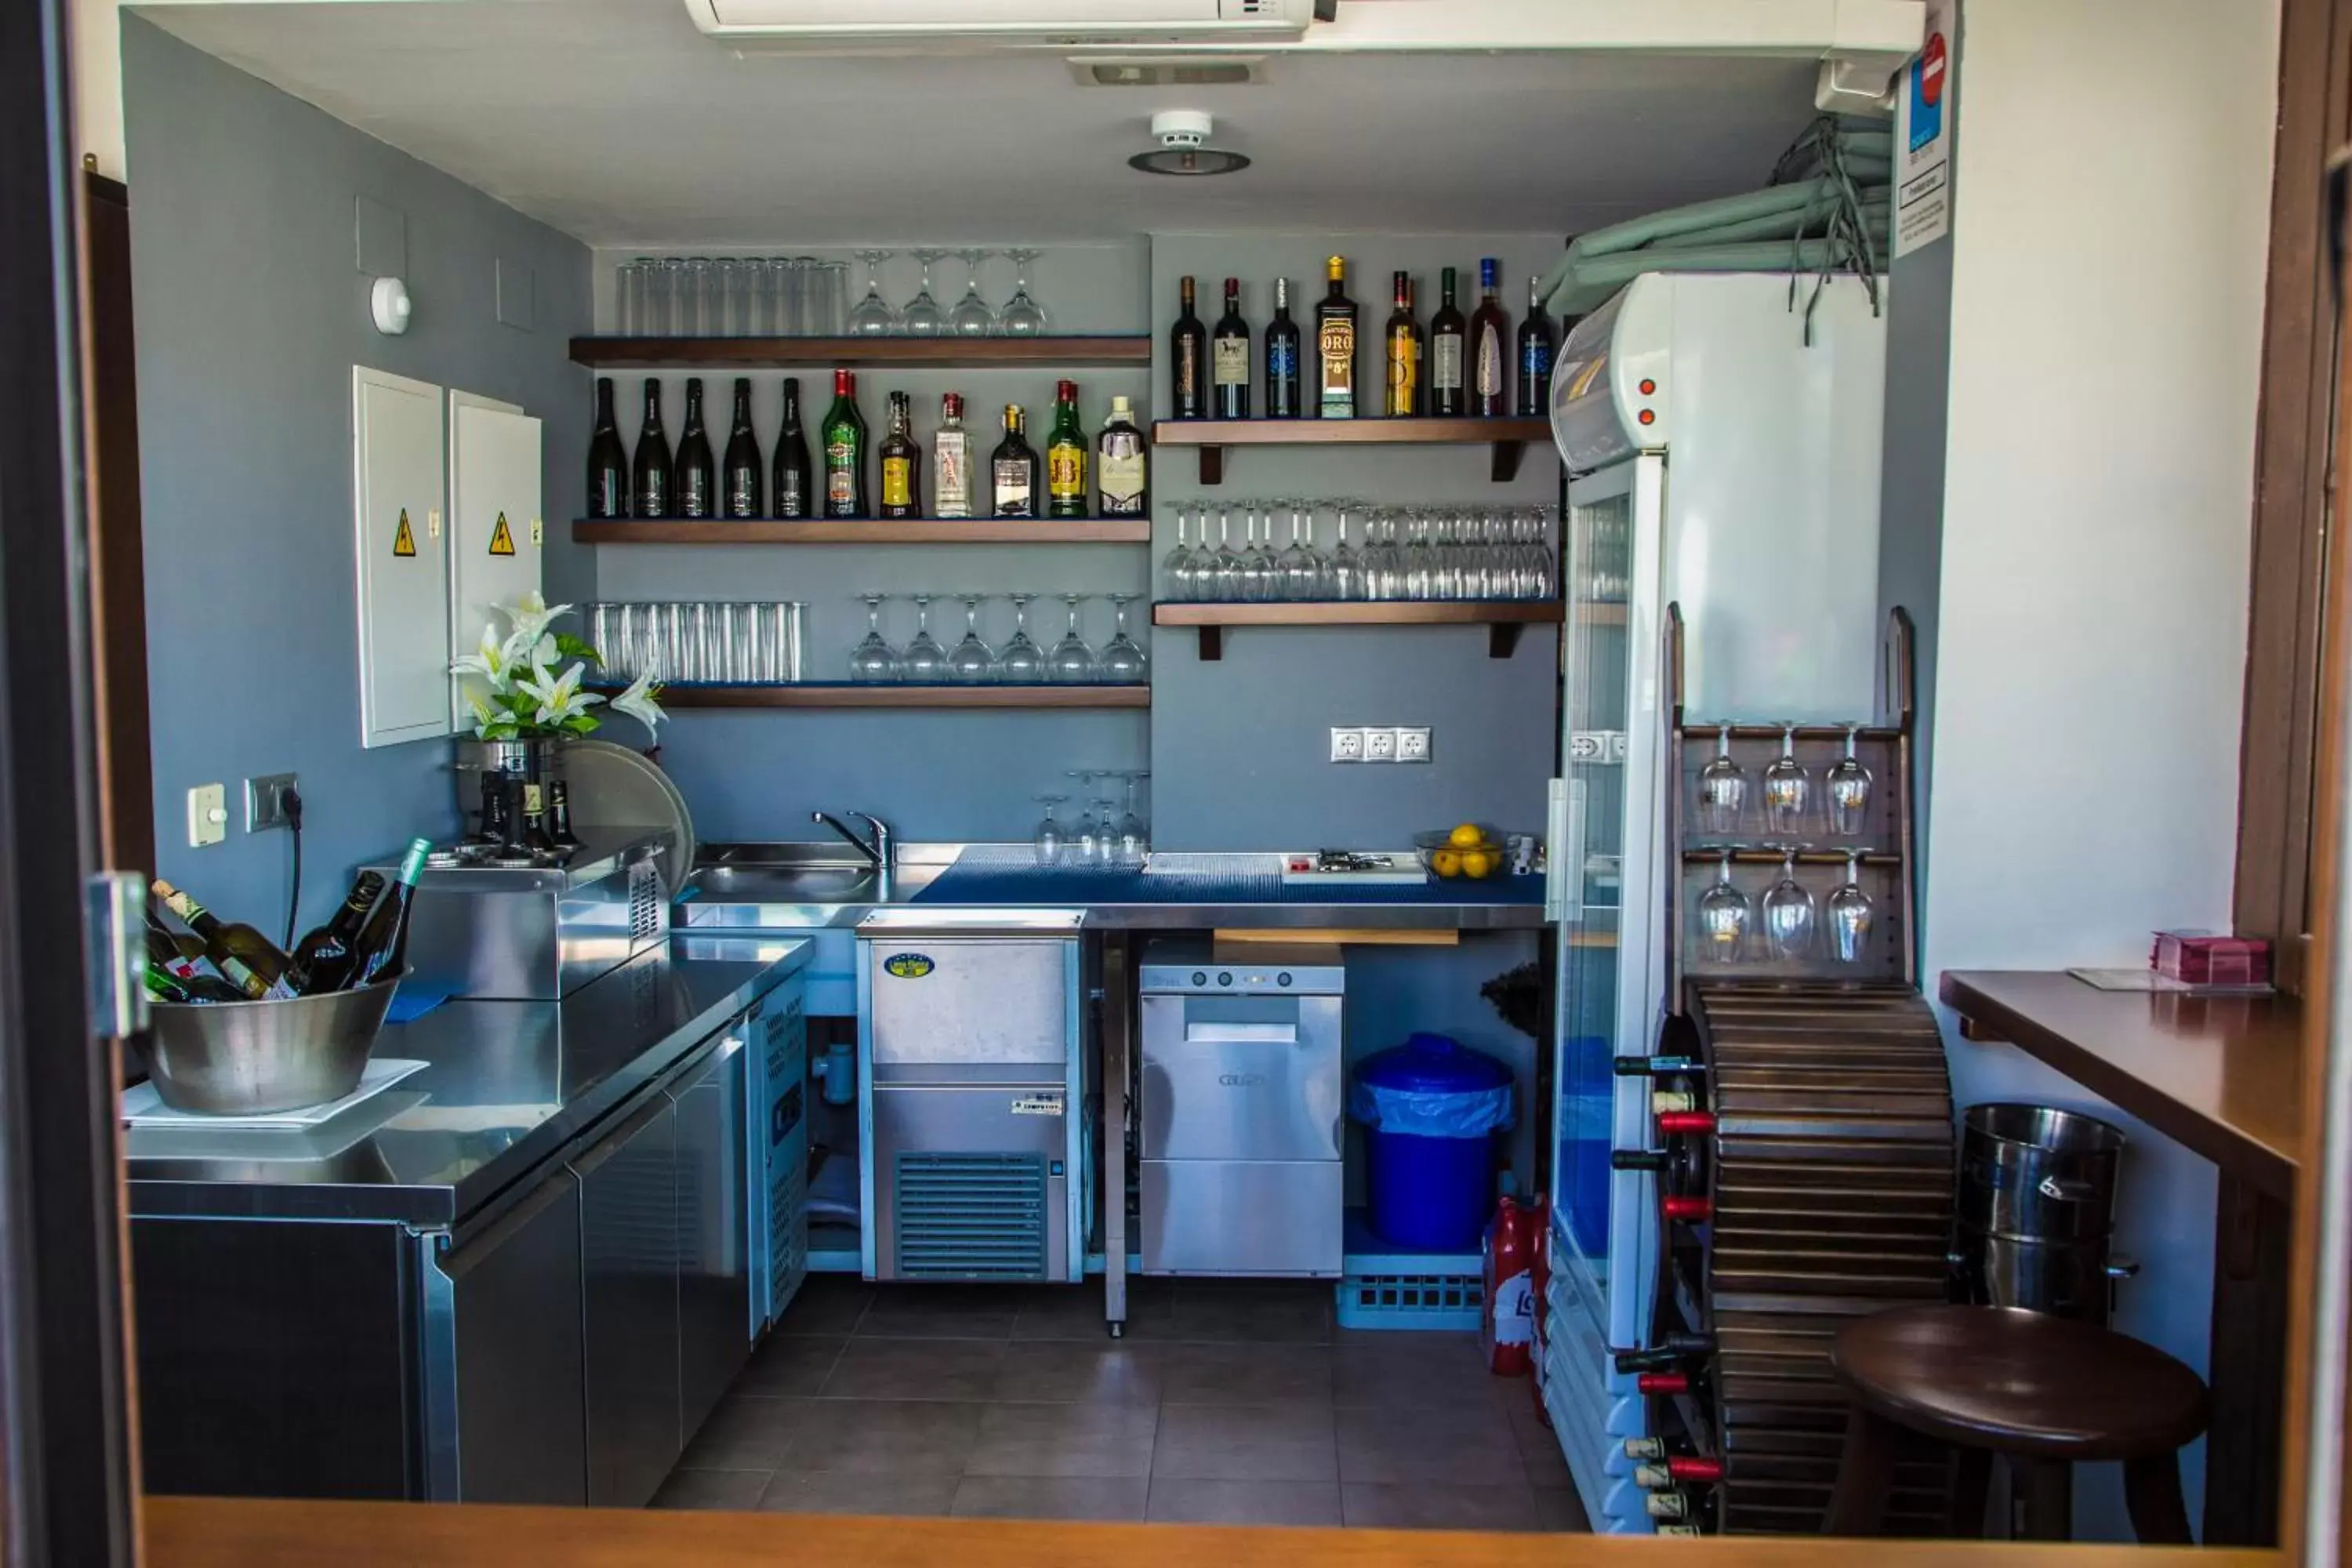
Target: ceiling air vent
point(1216, 70)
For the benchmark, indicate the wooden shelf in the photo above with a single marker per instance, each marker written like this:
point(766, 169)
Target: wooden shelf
point(874, 531)
point(1507, 438)
point(861, 354)
point(815, 696)
point(1503, 618)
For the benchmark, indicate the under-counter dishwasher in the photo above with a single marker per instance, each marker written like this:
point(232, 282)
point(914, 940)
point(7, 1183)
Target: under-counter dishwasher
point(971, 1093)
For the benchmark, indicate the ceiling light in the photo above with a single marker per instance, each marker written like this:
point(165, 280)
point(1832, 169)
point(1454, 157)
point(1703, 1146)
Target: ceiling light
point(1183, 135)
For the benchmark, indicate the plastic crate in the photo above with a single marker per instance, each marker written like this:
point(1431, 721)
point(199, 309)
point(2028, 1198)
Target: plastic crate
point(1424, 1301)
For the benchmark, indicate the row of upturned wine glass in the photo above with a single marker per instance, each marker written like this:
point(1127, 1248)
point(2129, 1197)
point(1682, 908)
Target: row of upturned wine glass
point(924, 660)
point(1786, 798)
point(1420, 551)
point(1103, 832)
point(807, 296)
point(1785, 924)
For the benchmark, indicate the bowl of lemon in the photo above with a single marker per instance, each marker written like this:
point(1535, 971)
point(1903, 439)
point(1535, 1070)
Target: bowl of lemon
point(1471, 850)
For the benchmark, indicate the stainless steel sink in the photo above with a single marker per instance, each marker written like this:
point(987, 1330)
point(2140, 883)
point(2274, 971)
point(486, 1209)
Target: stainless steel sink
point(787, 884)
point(791, 886)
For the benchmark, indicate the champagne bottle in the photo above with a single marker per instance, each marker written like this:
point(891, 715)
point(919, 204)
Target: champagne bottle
point(741, 479)
point(792, 474)
point(902, 462)
point(694, 492)
point(1066, 454)
point(382, 949)
point(1188, 345)
point(844, 450)
point(1447, 332)
point(1281, 357)
point(559, 815)
point(322, 960)
point(608, 460)
point(1012, 470)
point(1229, 358)
point(1122, 464)
point(652, 474)
point(247, 959)
point(1490, 332)
point(1404, 353)
point(1335, 341)
point(951, 461)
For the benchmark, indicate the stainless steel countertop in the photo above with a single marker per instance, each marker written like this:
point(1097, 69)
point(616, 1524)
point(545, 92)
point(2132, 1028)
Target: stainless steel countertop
point(510, 1086)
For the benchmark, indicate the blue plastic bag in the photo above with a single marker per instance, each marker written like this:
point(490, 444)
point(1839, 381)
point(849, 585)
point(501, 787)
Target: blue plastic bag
point(1433, 1086)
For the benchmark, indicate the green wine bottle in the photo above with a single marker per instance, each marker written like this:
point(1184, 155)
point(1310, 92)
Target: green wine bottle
point(247, 959)
point(322, 960)
point(844, 451)
point(380, 951)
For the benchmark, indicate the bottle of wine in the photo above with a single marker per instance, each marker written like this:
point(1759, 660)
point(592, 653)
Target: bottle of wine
point(695, 490)
point(1404, 353)
point(651, 475)
point(1122, 466)
point(559, 815)
point(844, 450)
point(247, 959)
point(1281, 357)
point(170, 986)
point(1668, 1101)
point(902, 462)
point(1012, 470)
point(1683, 1123)
point(1675, 1469)
point(951, 461)
point(1065, 455)
point(1535, 356)
point(535, 836)
point(382, 948)
point(322, 959)
point(742, 479)
point(1335, 345)
point(1447, 331)
point(791, 465)
point(1667, 1505)
point(1188, 345)
point(1656, 1066)
point(1229, 358)
point(608, 460)
point(495, 826)
point(182, 952)
point(1490, 345)
point(1671, 1351)
point(1688, 1208)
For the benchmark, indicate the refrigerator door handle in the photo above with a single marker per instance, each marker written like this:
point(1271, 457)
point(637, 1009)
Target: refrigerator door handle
point(1556, 862)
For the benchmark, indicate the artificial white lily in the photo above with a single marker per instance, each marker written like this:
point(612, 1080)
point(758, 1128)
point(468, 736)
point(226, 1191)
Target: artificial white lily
point(559, 697)
point(638, 703)
point(531, 614)
point(488, 661)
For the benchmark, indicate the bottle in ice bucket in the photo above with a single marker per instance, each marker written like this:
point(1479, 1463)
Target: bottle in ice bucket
point(382, 946)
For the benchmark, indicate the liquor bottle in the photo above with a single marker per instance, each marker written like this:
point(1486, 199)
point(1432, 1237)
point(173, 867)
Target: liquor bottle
point(695, 490)
point(791, 465)
point(559, 815)
point(1403, 353)
point(1335, 346)
point(844, 450)
point(651, 475)
point(382, 949)
point(1122, 467)
point(1447, 331)
point(951, 461)
point(1535, 356)
point(740, 480)
point(1281, 357)
point(1188, 346)
point(1013, 471)
point(245, 959)
point(1490, 346)
point(535, 836)
point(608, 460)
point(902, 462)
point(1065, 456)
point(1229, 358)
point(322, 959)
point(494, 828)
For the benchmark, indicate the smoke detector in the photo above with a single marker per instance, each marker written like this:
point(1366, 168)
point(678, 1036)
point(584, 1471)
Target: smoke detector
point(1183, 146)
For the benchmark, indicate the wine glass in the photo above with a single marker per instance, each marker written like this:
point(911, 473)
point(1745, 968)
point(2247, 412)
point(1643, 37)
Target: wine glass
point(1022, 662)
point(1134, 844)
point(1023, 317)
point(1343, 574)
point(1177, 563)
point(872, 317)
point(1301, 575)
point(972, 663)
point(1849, 914)
point(1847, 787)
point(1226, 565)
point(1789, 912)
point(924, 662)
point(1048, 839)
point(1787, 789)
point(971, 316)
point(873, 660)
point(922, 317)
point(1261, 577)
point(1723, 917)
point(1073, 662)
point(1084, 840)
point(1123, 662)
point(1722, 790)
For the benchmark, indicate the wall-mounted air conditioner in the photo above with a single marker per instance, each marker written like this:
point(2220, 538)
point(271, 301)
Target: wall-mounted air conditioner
point(931, 24)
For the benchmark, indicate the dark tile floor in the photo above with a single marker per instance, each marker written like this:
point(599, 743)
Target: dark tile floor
point(1227, 1402)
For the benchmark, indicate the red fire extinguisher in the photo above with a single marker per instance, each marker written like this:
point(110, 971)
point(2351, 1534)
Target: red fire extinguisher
point(1507, 1331)
point(1539, 1283)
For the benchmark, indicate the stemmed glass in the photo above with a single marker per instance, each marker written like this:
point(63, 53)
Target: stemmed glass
point(1226, 574)
point(1723, 916)
point(1048, 839)
point(1134, 842)
point(1342, 573)
point(872, 317)
point(971, 316)
point(1850, 914)
point(1848, 789)
point(873, 660)
point(1122, 662)
point(1789, 912)
point(924, 662)
point(1722, 789)
point(1300, 575)
point(1021, 663)
point(1086, 835)
point(972, 663)
point(922, 318)
point(1786, 790)
point(1021, 317)
point(1177, 563)
point(1073, 663)
point(1261, 578)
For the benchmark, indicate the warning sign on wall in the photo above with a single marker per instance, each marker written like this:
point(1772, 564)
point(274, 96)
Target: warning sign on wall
point(1923, 139)
point(502, 538)
point(404, 538)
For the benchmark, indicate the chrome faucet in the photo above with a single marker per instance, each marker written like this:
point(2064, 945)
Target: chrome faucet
point(881, 851)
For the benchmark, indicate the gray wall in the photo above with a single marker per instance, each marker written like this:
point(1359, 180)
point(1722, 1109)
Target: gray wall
point(251, 311)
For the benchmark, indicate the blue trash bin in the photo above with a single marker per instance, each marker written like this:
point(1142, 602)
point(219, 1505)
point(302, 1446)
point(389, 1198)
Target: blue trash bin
point(1430, 1108)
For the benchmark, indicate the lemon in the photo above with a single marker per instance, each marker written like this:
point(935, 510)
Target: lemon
point(1466, 836)
point(1445, 863)
point(1476, 863)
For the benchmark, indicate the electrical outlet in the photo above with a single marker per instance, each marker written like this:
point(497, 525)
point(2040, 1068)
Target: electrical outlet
point(1413, 744)
point(1346, 743)
point(1379, 745)
point(265, 802)
point(207, 815)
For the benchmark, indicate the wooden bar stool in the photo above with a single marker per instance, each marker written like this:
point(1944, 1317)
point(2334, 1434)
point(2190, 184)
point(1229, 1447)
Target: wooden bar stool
point(2039, 1392)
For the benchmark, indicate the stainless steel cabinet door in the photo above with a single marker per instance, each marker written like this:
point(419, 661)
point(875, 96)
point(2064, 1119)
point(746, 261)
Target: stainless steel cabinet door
point(628, 1248)
point(714, 1261)
point(937, 1000)
point(1236, 1079)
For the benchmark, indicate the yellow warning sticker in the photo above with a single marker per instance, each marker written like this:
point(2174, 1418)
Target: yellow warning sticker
point(502, 538)
point(404, 542)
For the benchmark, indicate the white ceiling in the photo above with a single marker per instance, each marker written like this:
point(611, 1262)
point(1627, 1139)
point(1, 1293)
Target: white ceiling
point(617, 121)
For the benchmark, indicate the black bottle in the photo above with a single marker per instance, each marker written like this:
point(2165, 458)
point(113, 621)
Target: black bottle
point(653, 469)
point(559, 815)
point(1229, 358)
point(608, 460)
point(1281, 357)
point(792, 456)
point(1535, 357)
point(695, 490)
point(1448, 338)
point(741, 490)
point(1188, 345)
